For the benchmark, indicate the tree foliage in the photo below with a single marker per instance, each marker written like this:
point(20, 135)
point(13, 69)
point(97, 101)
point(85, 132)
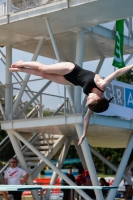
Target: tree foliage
point(126, 78)
point(8, 151)
point(113, 155)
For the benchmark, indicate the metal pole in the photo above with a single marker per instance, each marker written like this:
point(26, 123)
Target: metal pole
point(61, 159)
point(41, 108)
point(64, 100)
point(80, 153)
point(32, 148)
point(30, 102)
point(52, 39)
point(129, 24)
point(8, 104)
point(49, 155)
point(8, 6)
point(79, 61)
point(99, 65)
point(58, 57)
point(8, 81)
point(122, 167)
point(27, 76)
point(60, 162)
point(21, 159)
point(89, 162)
point(79, 127)
point(71, 99)
point(129, 167)
point(128, 59)
point(2, 111)
point(109, 164)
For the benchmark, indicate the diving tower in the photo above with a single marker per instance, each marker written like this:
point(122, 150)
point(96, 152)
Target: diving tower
point(66, 31)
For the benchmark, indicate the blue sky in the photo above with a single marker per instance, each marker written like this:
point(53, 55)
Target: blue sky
point(20, 55)
point(54, 88)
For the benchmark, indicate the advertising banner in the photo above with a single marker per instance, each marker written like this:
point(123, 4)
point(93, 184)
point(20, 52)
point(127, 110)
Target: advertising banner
point(118, 51)
point(122, 104)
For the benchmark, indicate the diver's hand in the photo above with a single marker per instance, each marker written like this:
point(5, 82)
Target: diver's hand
point(81, 139)
point(18, 64)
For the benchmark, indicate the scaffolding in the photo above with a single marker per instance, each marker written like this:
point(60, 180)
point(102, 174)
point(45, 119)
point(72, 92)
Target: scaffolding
point(57, 29)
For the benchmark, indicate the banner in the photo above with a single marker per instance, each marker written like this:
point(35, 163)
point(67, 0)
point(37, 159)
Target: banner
point(122, 104)
point(118, 52)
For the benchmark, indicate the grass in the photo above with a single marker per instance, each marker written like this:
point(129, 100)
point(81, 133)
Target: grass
point(105, 175)
point(99, 175)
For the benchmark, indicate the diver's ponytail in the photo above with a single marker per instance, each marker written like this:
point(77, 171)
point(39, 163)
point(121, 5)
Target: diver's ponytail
point(110, 99)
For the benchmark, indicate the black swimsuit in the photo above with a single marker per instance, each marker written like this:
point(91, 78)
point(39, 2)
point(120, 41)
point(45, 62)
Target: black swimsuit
point(83, 78)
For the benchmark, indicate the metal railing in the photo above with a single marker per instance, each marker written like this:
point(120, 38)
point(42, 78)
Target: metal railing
point(4, 142)
point(25, 4)
point(44, 103)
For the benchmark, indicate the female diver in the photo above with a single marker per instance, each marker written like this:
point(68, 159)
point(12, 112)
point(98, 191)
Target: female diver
point(67, 73)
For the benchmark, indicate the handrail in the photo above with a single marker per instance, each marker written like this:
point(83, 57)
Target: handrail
point(25, 5)
point(20, 79)
point(1, 143)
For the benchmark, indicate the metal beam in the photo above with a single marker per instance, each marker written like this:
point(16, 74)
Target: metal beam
point(121, 167)
point(52, 39)
point(49, 155)
point(79, 61)
point(80, 153)
point(27, 76)
point(70, 99)
point(4, 145)
point(23, 149)
point(31, 93)
point(89, 161)
point(21, 159)
point(59, 164)
point(128, 59)
point(17, 78)
point(109, 164)
point(99, 65)
point(2, 111)
point(58, 57)
point(63, 176)
point(129, 167)
point(32, 100)
point(105, 32)
point(129, 26)
point(8, 81)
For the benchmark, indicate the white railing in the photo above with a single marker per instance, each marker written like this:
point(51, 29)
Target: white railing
point(20, 5)
point(2, 9)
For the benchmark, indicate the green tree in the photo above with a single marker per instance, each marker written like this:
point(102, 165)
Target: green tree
point(126, 78)
point(8, 151)
point(113, 155)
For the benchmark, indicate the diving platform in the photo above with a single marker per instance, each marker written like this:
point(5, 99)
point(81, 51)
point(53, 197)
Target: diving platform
point(102, 131)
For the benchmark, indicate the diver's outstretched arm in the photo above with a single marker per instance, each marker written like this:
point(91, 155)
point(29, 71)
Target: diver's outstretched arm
point(116, 74)
point(86, 124)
